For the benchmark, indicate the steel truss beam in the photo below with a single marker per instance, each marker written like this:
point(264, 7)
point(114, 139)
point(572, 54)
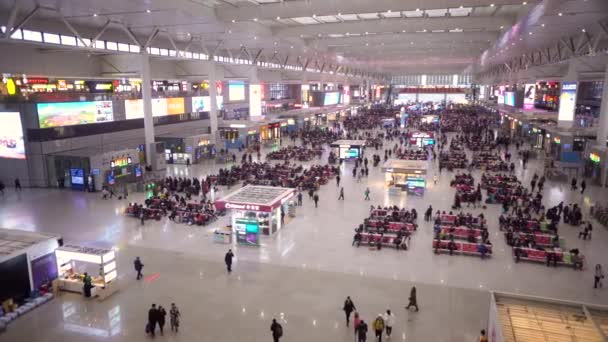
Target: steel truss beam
point(580, 45)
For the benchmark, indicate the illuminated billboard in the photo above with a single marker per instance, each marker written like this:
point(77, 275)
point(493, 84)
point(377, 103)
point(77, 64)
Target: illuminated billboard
point(529, 95)
point(255, 100)
point(11, 136)
point(134, 109)
point(203, 103)
point(567, 101)
point(59, 114)
point(332, 98)
point(236, 91)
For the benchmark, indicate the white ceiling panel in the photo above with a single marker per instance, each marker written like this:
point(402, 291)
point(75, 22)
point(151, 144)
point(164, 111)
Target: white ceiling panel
point(436, 12)
point(460, 12)
point(413, 14)
point(305, 20)
point(368, 15)
point(328, 19)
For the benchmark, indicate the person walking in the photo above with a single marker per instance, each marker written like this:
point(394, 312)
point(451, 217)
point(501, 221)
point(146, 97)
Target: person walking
point(341, 197)
point(412, 300)
point(277, 330)
point(187, 162)
point(367, 194)
point(316, 199)
point(138, 265)
point(338, 180)
point(483, 337)
point(599, 275)
point(174, 316)
point(152, 320)
point(362, 331)
point(300, 198)
point(2, 188)
point(228, 259)
point(17, 185)
point(379, 327)
point(142, 216)
point(583, 186)
point(389, 322)
point(573, 184)
point(428, 213)
point(162, 314)
point(349, 306)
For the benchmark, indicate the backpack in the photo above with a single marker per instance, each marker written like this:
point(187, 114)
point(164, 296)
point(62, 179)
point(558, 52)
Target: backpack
point(279, 330)
point(379, 324)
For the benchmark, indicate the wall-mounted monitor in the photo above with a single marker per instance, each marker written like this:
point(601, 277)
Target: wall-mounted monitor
point(236, 91)
point(332, 98)
point(59, 114)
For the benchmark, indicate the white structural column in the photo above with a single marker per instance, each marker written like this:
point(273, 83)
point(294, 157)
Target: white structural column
point(602, 131)
point(213, 100)
point(146, 94)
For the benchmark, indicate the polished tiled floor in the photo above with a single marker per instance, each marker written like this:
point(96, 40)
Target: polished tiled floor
point(303, 272)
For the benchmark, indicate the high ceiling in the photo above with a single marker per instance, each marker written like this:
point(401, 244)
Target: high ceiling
point(393, 37)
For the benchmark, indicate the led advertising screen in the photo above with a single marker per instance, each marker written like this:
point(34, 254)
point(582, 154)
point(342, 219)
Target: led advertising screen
point(332, 98)
point(77, 176)
point(567, 101)
point(501, 94)
point(11, 136)
point(509, 98)
point(203, 103)
point(134, 109)
point(529, 95)
point(236, 91)
point(74, 113)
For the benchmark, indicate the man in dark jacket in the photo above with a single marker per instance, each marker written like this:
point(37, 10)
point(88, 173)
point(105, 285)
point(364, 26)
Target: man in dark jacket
point(152, 319)
point(138, 267)
point(277, 330)
point(349, 307)
point(228, 260)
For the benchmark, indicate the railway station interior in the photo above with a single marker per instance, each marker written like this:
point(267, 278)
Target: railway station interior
point(304, 170)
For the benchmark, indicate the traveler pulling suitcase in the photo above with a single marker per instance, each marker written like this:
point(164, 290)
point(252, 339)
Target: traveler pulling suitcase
point(147, 328)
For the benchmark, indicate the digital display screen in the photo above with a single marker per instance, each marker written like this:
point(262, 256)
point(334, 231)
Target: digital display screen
point(331, 99)
point(77, 176)
point(74, 113)
point(247, 232)
point(509, 98)
point(529, 96)
point(134, 109)
point(428, 141)
point(203, 103)
point(236, 91)
point(137, 171)
point(11, 136)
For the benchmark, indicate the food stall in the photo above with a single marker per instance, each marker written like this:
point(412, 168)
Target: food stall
point(73, 261)
point(348, 149)
point(256, 210)
point(406, 175)
point(596, 165)
point(422, 139)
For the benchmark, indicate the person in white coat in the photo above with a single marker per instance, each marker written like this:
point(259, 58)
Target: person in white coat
point(389, 322)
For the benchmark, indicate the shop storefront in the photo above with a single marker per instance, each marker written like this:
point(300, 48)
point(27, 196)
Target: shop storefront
point(405, 176)
point(239, 134)
point(348, 149)
point(422, 139)
point(271, 132)
point(184, 148)
point(596, 165)
point(257, 210)
point(100, 264)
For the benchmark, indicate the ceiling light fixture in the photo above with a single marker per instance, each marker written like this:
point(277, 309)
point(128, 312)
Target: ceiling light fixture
point(234, 21)
point(461, 7)
point(291, 47)
point(366, 44)
point(255, 37)
point(148, 11)
point(255, 19)
point(229, 31)
point(417, 9)
point(314, 16)
point(275, 43)
point(560, 14)
point(94, 14)
point(339, 14)
point(530, 33)
point(491, 5)
point(278, 18)
point(188, 34)
point(524, 3)
point(543, 25)
point(366, 32)
point(403, 31)
point(502, 27)
point(583, 30)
